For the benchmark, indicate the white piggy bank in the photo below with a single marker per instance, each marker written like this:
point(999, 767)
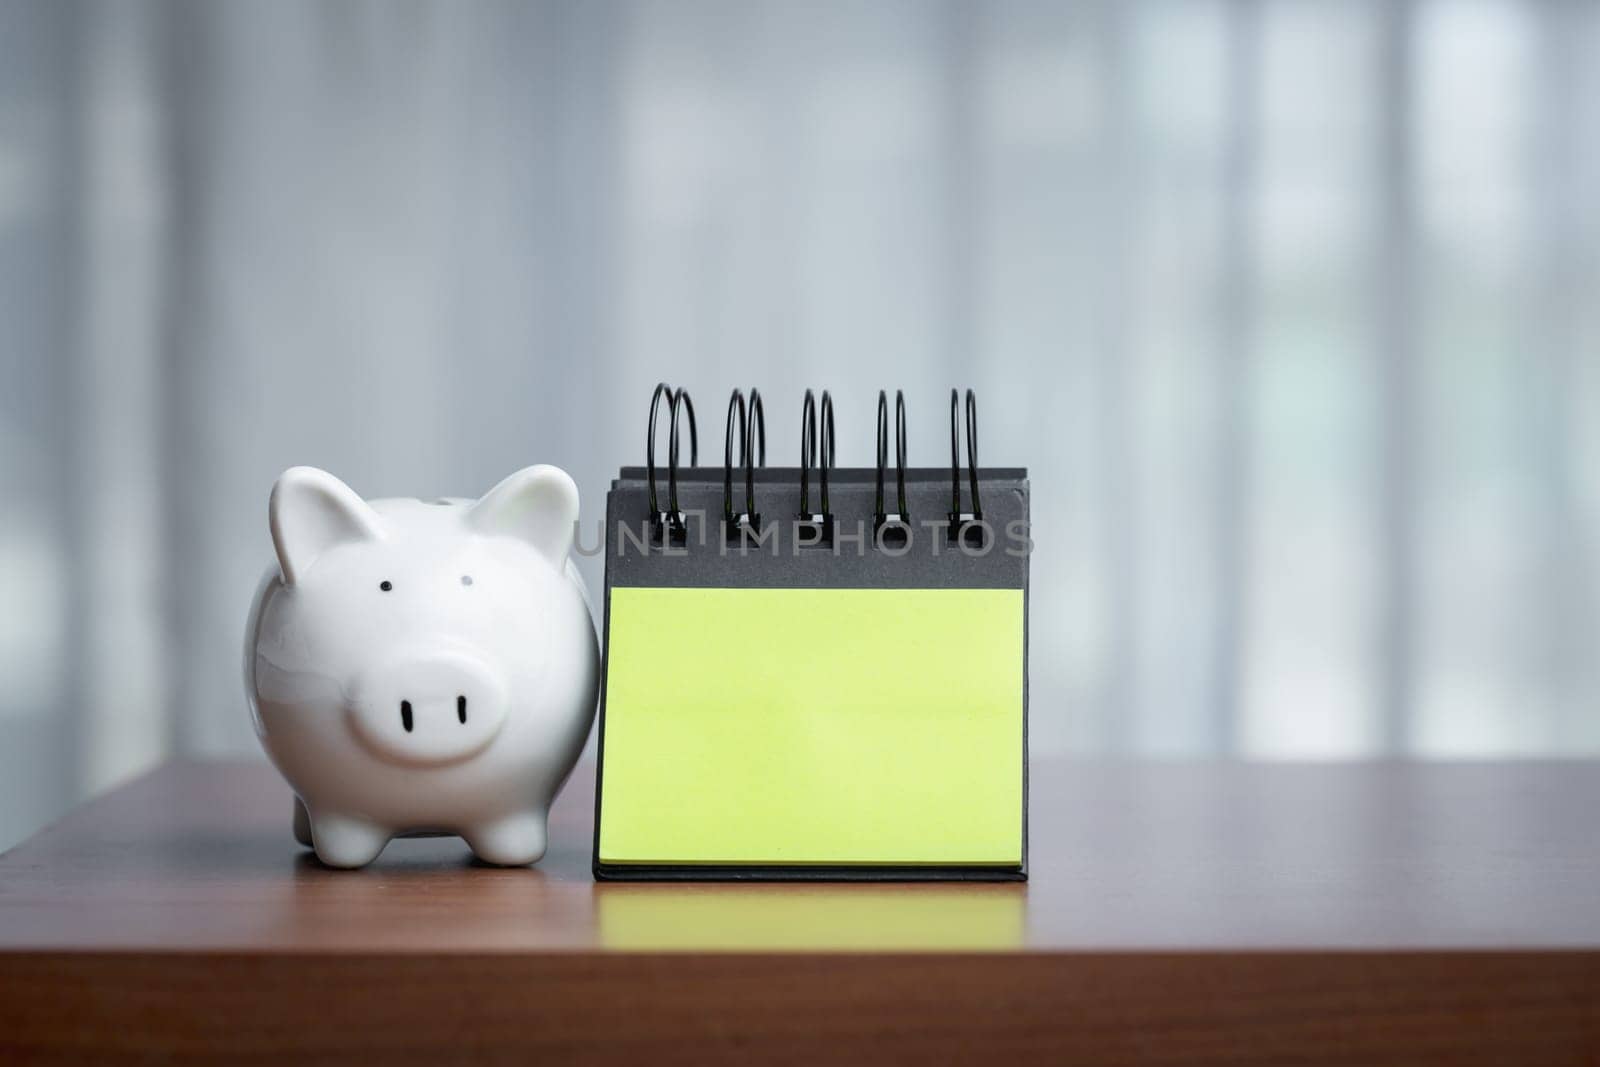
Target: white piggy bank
point(422, 667)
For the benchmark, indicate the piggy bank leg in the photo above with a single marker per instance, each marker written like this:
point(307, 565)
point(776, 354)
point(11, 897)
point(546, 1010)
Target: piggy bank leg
point(513, 841)
point(345, 842)
point(302, 823)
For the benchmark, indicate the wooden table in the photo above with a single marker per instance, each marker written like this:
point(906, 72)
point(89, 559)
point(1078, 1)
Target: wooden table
point(1382, 912)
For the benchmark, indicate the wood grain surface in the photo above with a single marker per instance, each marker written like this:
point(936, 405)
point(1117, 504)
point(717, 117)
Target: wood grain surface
point(1177, 913)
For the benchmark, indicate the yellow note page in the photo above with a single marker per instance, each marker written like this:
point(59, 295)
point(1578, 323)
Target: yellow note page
point(813, 726)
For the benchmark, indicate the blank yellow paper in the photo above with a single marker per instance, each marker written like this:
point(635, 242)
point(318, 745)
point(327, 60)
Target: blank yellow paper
point(813, 726)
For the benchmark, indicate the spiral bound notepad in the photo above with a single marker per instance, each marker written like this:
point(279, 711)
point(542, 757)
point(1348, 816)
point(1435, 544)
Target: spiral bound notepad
point(813, 672)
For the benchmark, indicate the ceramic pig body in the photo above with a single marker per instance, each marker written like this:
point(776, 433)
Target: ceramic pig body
point(422, 667)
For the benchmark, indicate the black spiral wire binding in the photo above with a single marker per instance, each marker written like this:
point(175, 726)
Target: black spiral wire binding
point(752, 453)
point(815, 527)
point(735, 406)
point(808, 448)
point(670, 525)
point(758, 423)
point(892, 528)
point(965, 526)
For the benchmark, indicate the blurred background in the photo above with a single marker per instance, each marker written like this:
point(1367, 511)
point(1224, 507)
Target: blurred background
point(1289, 307)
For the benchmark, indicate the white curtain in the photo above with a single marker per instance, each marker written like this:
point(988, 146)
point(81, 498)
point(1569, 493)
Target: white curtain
point(1289, 307)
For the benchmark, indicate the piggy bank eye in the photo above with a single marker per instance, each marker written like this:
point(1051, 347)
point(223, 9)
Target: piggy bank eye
point(386, 585)
point(466, 579)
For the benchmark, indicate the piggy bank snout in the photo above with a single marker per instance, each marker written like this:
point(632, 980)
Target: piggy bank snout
point(422, 708)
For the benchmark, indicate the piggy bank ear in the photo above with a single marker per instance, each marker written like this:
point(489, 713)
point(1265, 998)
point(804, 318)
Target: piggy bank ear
point(537, 504)
point(312, 511)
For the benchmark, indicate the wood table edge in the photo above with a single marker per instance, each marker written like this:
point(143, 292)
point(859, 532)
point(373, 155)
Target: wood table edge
point(1472, 1005)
